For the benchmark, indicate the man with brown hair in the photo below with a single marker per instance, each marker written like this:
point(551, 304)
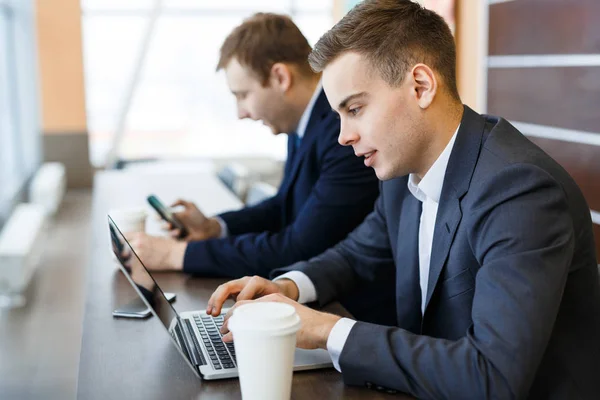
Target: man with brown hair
point(497, 289)
point(326, 191)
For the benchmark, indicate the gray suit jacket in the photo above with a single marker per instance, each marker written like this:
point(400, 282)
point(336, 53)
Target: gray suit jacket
point(513, 301)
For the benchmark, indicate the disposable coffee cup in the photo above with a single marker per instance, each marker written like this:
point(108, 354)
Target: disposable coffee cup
point(264, 337)
point(128, 220)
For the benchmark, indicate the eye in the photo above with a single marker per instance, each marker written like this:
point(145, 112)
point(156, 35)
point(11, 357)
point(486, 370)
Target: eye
point(354, 111)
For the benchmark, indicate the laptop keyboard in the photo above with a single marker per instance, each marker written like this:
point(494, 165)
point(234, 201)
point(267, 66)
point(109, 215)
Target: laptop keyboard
point(221, 354)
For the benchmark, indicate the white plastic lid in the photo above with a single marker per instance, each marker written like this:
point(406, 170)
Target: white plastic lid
point(128, 215)
point(266, 318)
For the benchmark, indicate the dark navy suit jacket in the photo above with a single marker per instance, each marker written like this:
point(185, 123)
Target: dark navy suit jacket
point(513, 299)
point(326, 192)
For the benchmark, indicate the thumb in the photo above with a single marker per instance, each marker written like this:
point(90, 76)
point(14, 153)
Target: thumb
point(181, 202)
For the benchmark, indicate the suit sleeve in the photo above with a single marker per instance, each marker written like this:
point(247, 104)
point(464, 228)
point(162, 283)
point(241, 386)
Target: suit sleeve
point(522, 237)
point(365, 255)
point(341, 198)
point(264, 216)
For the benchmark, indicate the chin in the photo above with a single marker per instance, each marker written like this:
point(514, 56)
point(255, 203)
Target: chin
point(384, 174)
point(381, 174)
point(274, 130)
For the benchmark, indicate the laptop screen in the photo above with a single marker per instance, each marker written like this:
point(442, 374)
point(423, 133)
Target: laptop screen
point(145, 285)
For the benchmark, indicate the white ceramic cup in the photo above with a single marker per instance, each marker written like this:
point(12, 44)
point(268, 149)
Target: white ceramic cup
point(264, 337)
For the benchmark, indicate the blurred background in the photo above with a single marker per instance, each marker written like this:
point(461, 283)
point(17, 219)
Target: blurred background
point(94, 85)
point(179, 108)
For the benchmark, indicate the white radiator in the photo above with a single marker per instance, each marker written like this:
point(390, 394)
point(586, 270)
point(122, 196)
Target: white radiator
point(21, 244)
point(48, 186)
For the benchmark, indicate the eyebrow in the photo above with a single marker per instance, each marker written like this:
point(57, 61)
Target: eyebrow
point(349, 98)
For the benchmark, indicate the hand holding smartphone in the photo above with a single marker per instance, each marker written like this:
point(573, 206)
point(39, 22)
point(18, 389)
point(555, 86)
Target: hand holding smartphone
point(166, 214)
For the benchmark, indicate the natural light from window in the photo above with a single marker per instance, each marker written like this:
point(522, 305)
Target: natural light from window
point(182, 107)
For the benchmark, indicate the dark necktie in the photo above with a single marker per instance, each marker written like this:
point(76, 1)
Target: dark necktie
point(293, 145)
point(408, 288)
point(298, 141)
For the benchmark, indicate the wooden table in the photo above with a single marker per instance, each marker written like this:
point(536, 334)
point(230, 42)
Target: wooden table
point(134, 359)
point(40, 342)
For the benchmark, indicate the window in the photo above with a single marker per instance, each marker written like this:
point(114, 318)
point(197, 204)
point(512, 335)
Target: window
point(19, 119)
point(7, 159)
point(181, 107)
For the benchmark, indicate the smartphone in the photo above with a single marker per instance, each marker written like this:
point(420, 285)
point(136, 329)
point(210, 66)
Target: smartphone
point(137, 309)
point(167, 215)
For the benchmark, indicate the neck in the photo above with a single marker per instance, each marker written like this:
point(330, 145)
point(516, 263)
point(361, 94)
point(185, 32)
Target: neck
point(300, 96)
point(445, 122)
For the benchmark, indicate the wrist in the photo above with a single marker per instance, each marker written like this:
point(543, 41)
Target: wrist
point(177, 255)
point(323, 330)
point(213, 228)
point(288, 288)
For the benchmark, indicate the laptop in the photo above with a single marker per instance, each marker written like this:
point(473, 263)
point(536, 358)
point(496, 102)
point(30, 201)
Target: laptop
point(195, 334)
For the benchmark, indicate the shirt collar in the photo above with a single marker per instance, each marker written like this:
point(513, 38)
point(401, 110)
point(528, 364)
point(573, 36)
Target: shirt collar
point(308, 111)
point(430, 187)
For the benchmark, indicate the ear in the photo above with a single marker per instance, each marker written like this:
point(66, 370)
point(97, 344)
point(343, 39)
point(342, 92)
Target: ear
point(425, 84)
point(281, 76)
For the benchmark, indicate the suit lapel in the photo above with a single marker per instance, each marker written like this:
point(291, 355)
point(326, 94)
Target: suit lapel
point(319, 112)
point(457, 179)
point(448, 218)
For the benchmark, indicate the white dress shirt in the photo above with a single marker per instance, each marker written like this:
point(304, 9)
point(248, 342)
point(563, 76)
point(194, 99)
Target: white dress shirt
point(300, 131)
point(427, 191)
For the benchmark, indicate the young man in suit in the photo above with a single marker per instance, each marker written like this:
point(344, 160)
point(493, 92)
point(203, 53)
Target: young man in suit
point(497, 288)
point(326, 191)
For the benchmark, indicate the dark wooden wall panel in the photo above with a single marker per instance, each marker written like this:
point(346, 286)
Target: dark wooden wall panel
point(544, 27)
point(564, 97)
point(582, 161)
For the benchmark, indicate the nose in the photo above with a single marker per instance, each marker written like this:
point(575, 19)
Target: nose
point(242, 113)
point(347, 137)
